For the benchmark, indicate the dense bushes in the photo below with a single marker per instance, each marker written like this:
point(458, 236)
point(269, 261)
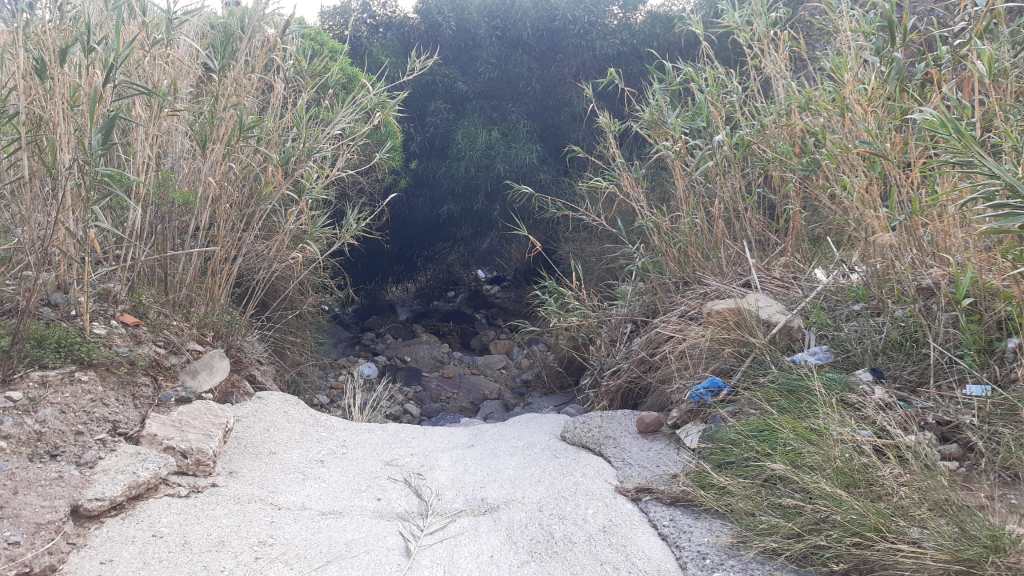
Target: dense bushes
point(191, 156)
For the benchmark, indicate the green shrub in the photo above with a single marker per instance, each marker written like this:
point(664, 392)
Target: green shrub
point(825, 478)
point(54, 345)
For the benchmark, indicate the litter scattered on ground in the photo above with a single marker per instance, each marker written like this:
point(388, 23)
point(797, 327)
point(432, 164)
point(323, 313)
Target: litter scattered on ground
point(690, 434)
point(869, 376)
point(128, 320)
point(368, 371)
point(708, 391)
point(978, 390)
point(815, 356)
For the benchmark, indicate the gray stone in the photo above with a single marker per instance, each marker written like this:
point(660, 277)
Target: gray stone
point(57, 299)
point(701, 543)
point(193, 435)
point(444, 419)
point(492, 411)
point(125, 474)
point(425, 352)
point(463, 394)
point(640, 460)
point(14, 396)
point(205, 373)
point(412, 409)
point(549, 402)
point(572, 410)
point(492, 362)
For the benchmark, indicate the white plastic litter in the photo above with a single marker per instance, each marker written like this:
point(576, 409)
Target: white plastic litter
point(815, 356)
point(368, 371)
point(978, 390)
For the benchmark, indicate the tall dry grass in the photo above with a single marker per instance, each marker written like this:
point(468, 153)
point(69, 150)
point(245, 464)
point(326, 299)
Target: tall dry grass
point(853, 165)
point(210, 162)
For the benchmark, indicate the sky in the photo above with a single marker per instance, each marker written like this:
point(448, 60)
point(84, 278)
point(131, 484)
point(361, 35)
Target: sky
point(310, 8)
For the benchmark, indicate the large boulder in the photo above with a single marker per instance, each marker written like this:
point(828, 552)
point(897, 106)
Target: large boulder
point(127, 473)
point(755, 311)
point(193, 435)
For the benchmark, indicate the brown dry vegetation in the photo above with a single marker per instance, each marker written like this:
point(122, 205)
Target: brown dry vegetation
point(200, 166)
point(840, 170)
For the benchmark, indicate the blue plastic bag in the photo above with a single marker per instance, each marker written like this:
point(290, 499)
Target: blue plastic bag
point(707, 391)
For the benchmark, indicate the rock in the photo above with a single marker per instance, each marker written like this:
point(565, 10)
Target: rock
point(950, 466)
point(425, 352)
point(321, 400)
point(368, 371)
point(478, 344)
point(125, 474)
point(503, 347)
point(547, 403)
point(640, 460)
point(761, 308)
point(492, 362)
point(492, 411)
point(400, 331)
point(431, 410)
point(649, 422)
point(705, 545)
point(462, 394)
point(572, 410)
point(233, 390)
point(204, 374)
point(57, 299)
point(412, 409)
point(444, 419)
point(261, 378)
point(193, 435)
point(952, 451)
point(14, 396)
point(408, 376)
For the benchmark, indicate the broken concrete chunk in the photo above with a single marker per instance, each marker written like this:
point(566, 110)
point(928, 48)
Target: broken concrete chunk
point(650, 460)
point(759, 308)
point(193, 435)
point(127, 473)
point(204, 374)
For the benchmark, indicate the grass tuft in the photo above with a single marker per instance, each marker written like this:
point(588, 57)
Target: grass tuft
point(825, 477)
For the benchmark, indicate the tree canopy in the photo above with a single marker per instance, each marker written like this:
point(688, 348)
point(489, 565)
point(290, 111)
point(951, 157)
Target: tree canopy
point(502, 105)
